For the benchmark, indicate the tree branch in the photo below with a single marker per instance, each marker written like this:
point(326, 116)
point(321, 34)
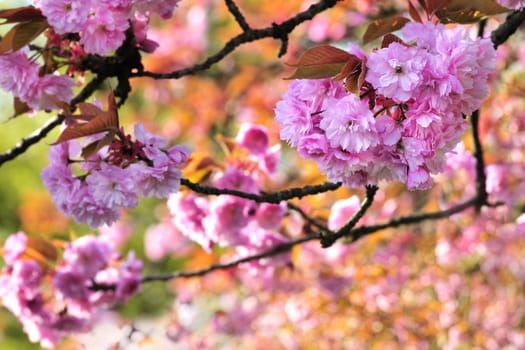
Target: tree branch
point(276, 31)
point(234, 10)
point(279, 249)
point(39, 134)
point(327, 240)
point(507, 28)
point(354, 234)
point(275, 197)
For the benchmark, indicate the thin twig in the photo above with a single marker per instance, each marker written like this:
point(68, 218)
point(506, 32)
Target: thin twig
point(277, 31)
point(329, 239)
point(307, 217)
point(275, 197)
point(279, 249)
point(234, 10)
point(354, 234)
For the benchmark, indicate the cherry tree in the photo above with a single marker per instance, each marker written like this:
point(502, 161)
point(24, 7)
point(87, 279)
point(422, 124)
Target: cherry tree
point(352, 182)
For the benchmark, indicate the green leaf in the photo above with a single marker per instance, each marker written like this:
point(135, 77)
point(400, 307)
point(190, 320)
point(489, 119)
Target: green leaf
point(383, 26)
point(320, 62)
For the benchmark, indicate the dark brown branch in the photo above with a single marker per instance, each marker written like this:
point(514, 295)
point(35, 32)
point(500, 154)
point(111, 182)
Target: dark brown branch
point(275, 197)
point(279, 249)
point(329, 239)
point(276, 31)
point(363, 231)
point(481, 177)
point(234, 10)
point(507, 28)
point(39, 134)
point(307, 218)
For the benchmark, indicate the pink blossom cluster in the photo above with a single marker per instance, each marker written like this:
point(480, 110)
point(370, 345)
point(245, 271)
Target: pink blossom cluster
point(89, 277)
point(230, 221)
point(409, 114)
point(25, 82)
point(512, 4)
point(114, 177)
point(102, 24)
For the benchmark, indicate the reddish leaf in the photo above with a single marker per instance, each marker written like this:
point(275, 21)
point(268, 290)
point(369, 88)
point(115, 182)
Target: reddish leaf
point(96, 123)
point(41, 249)
point(21, 35)
point(21, 14)
point(362, 75)
point(199, 167)
point(27, 32)
point(6, 43)
point(413, 12)
point(389, 39)
point(320, 62)
point(433, 5)
point(351, 67)
point(463, 11)
point(95, 146)
point(227, 144)
point(100, 123)
point(60, 104)
point(88, 110)
point(113, 108)
point(383, 26)
point(20, 107)
point(353, 74)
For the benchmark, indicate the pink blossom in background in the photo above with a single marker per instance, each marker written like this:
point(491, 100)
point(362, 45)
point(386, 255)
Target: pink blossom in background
point(188, 213)
point(14, 247)
point(228, 216)
point(512, 4)
point(164, 239)
point(72, 300)
point(342, 211)
point(228, 220)
point(117, 234)
point(270, 216)
point(254, 138)
point(236, 179)
point(320, 29)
